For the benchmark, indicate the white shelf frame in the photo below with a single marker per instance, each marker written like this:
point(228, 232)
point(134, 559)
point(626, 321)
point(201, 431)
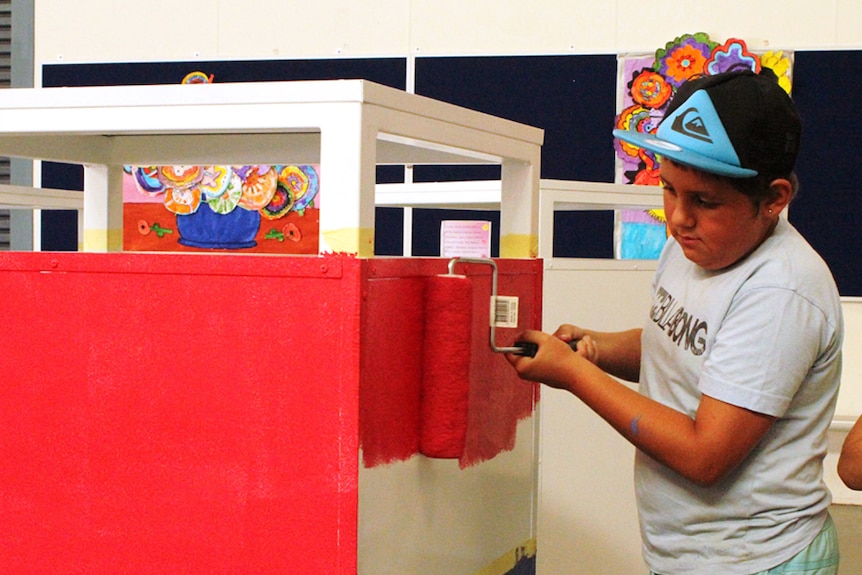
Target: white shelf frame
point(346, 126)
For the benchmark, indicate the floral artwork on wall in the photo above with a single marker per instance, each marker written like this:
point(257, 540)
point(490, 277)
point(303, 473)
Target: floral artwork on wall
point(646, 84)
point(258, 208)
point(255, 208)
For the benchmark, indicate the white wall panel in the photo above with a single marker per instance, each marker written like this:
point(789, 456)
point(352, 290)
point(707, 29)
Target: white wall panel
point(848, 23)
point(511, 27)
point(763, 25)
point(259, 29)
point(126, 30)
point(138, 30)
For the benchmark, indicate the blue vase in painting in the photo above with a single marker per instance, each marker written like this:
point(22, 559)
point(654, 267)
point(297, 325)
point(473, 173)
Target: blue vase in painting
point(210, 230)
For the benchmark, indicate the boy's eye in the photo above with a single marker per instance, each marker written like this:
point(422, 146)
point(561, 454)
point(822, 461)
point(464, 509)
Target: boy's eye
point(706, 202)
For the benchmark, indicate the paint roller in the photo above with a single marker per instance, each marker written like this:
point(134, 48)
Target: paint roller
point(447, 355)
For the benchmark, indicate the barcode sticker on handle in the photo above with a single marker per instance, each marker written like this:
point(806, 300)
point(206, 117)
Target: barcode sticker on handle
point(504, 311)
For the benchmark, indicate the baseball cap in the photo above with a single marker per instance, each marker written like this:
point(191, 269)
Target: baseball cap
point(738, 124)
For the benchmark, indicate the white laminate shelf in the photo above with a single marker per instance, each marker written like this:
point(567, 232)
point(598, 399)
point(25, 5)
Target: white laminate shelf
point(348, 127)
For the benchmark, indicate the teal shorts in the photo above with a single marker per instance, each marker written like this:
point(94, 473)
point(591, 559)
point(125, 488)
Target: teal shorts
point(819, 558)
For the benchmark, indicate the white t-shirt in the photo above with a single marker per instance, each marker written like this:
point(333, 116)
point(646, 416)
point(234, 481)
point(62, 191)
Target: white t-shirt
point(764, 334)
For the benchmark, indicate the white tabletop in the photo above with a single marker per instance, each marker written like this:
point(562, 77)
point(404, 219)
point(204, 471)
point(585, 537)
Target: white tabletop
point(347, 126)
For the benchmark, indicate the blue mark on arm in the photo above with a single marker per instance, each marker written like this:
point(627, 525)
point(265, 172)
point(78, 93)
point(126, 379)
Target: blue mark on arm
point(634, 426)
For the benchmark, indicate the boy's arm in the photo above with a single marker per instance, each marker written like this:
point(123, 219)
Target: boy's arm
point(850, 460)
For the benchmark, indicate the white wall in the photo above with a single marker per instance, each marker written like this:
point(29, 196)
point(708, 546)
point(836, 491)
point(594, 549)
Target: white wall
point(587, 515)
point(153, 30)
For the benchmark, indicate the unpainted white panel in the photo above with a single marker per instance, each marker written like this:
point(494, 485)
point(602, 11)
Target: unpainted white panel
point(587, 515)
point(427, 516)
point(125, 30)
point(320, 29)
point(510, 27)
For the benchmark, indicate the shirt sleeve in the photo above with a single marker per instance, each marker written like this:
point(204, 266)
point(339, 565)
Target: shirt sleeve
point(763, 350)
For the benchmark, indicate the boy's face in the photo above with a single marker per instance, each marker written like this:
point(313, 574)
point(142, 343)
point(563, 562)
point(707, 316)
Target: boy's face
point(714, 224)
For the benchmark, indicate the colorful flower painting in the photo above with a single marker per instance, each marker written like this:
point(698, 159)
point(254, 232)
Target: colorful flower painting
point(650, 89)
point(683, 57)
point(732, 55)
point(256, 207)
point(780, 63)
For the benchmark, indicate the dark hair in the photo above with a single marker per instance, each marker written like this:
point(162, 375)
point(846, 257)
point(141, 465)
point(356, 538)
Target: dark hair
point(758, 189)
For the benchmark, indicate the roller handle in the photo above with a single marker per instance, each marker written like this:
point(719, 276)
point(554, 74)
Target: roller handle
point(529, 349)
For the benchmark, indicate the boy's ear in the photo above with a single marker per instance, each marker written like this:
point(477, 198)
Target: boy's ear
point(781, 193)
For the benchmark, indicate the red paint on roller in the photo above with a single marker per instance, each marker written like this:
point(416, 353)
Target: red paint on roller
point(446, 366)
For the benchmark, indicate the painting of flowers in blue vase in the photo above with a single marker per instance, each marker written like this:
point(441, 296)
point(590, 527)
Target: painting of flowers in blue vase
point(256, 208)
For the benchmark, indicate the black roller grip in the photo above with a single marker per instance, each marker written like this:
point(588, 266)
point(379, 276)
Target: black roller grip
point(529, 349)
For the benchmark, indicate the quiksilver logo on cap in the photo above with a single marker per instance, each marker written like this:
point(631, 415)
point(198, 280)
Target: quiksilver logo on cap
point(690, 123)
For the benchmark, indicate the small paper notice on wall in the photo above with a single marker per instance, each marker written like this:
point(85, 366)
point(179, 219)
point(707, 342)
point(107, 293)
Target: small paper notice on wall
point(465, 239)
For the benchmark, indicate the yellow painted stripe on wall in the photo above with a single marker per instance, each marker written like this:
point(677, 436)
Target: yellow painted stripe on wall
point(519, 246)
point(359, 241)
point(102, 241)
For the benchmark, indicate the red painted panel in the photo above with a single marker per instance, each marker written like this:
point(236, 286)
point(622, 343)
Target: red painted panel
point(178, 414)
point(392, 323)
point(498, 397)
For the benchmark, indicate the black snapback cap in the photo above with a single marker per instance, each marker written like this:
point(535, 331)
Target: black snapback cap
point(738, 124)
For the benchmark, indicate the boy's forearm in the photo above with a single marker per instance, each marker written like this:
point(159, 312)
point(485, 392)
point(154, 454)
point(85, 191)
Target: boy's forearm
point(619, 353)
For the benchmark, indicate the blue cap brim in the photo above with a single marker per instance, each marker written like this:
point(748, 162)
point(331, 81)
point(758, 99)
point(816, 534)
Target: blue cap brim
point(670, 150)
